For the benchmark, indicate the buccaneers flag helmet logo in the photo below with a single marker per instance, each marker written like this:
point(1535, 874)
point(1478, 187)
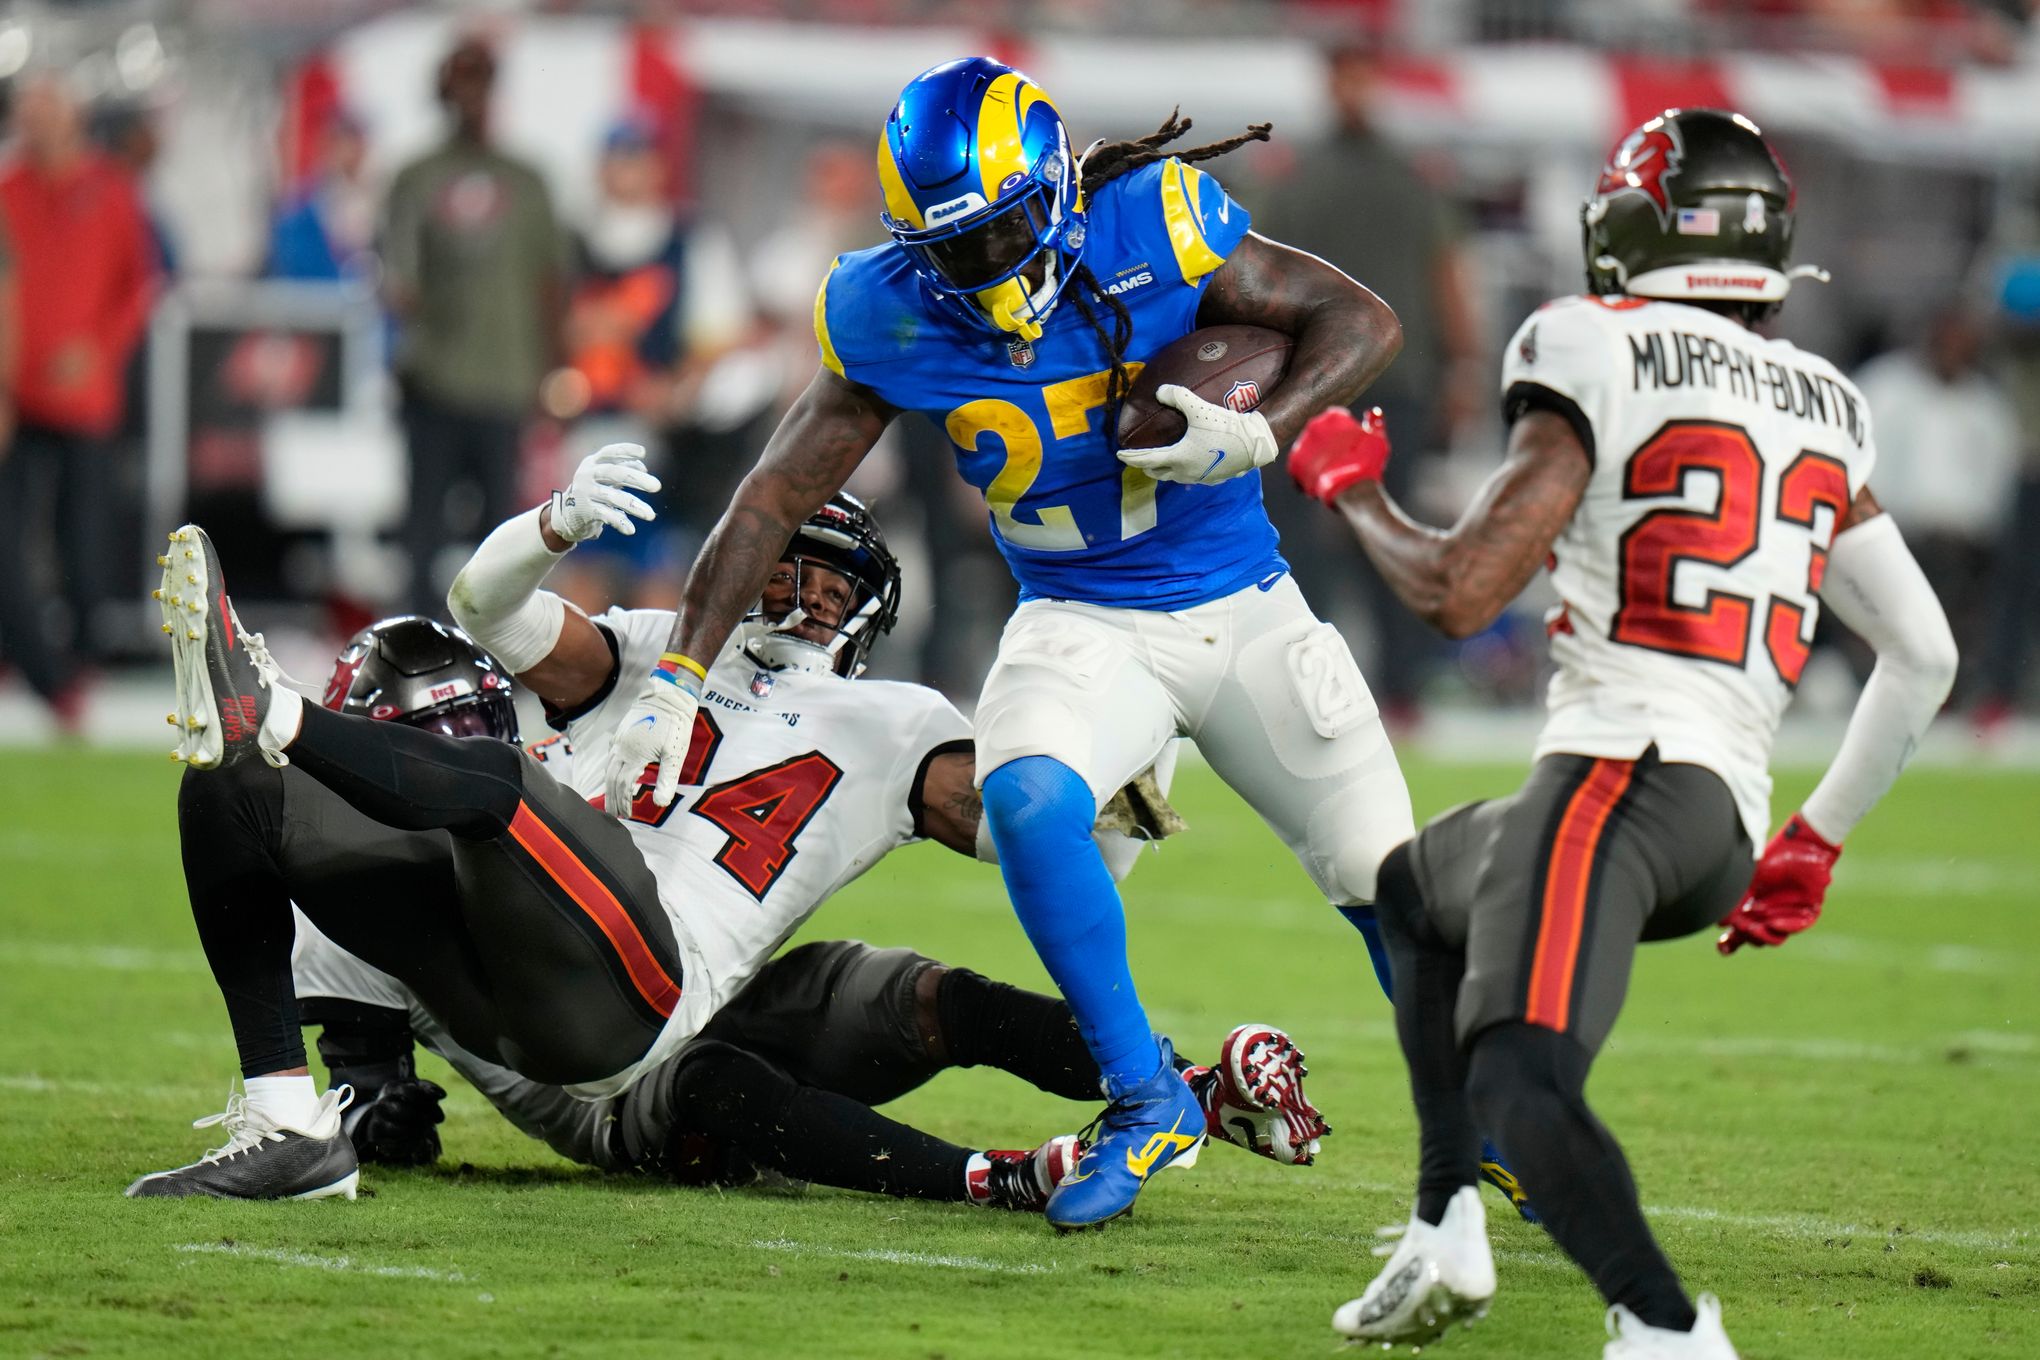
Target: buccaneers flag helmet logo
point(1641, 163)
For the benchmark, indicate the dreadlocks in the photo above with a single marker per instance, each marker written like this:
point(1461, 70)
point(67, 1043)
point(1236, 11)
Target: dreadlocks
point(1103, 163)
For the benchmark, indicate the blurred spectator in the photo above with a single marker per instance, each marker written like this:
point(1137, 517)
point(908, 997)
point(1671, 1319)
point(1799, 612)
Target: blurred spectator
point(2015, 593)
point(83, 276)
point(127, 133)
point(1357, 201)
point(1947, 462)
point(326, 230)
point(656, 302)
point(472, 262)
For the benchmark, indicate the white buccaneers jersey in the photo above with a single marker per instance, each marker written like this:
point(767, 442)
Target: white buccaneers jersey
point(794, 785)
point(1723, 462)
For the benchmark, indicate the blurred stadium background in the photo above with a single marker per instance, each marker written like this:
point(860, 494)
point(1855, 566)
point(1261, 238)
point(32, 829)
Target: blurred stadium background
point(265, 343)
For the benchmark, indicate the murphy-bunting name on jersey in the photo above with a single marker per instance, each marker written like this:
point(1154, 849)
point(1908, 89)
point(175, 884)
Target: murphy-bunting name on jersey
point(1668, 359)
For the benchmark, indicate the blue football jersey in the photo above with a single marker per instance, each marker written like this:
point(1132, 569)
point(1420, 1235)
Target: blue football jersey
point(1027, 420)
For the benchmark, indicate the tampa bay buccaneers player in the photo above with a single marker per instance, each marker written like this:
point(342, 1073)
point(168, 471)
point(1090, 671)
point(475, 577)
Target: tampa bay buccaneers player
point(1697, 491)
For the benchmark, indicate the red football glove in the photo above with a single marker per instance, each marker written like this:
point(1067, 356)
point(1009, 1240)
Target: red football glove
point(1334, 451)
point(1786, 890)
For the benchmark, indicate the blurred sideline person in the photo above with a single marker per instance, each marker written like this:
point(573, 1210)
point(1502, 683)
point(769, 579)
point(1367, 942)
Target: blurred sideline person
point(546, 936)
point(473, 265)
point(761, 1090)
point(655, 300)
point(1356, 199)
point(83, 276)
point(325, 229)
point(1696, 491)
point(1156, 603)
point(1947, 463)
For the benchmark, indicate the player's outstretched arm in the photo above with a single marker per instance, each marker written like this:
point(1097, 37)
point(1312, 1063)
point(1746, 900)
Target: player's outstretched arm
point(546, 643)
point(1874, 586)
point(1341, 335)
point(1458, 580)
point(817, 446)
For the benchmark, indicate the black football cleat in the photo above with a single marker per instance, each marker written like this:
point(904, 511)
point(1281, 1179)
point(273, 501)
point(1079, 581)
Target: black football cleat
point(264, 1160)
point(225, 675)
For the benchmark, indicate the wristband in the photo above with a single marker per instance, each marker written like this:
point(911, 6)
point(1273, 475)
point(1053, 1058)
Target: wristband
point(672, 667)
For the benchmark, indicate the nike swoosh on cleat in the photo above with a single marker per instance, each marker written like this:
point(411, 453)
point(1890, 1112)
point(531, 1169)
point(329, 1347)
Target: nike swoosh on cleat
point(1141, 1163)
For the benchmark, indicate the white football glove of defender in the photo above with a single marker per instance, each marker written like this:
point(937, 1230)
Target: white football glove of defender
point(1220, 444)
point(597, 495)
point(659, 727)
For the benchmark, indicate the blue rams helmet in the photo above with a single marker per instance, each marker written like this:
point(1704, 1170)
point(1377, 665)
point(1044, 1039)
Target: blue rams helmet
point(980, 184)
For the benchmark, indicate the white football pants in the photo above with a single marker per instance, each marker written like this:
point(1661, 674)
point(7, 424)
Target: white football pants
point(1268, 692)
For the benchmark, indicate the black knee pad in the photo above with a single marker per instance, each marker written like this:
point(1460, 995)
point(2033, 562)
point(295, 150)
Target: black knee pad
point(713, 1097)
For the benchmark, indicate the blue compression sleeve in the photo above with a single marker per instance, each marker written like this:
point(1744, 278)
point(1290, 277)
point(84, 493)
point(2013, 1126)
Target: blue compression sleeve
point(1040, 813)
point(1370, 931)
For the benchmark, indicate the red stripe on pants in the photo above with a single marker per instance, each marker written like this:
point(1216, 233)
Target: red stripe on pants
point(1567, 881)
point(561, 865)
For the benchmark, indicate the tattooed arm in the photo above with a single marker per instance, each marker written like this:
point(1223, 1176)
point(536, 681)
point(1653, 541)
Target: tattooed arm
point(1459, 579)
point(1343, 336)
point(813, 452)
point(950, 808)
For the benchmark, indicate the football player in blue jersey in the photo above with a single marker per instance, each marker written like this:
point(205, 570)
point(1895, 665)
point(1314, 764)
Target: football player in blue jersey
point(1024, 286)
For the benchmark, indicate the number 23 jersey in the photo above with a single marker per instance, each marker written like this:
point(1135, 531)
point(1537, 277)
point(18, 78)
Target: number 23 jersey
point(1027, 420)
point(794, 784)
point(1687, 577)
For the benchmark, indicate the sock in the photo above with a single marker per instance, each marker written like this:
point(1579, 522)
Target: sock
point(1364, 920)
point(228, 823)
point(1528, 1086)
point(288, 1101)
point(738, 1100)
point(1040, 812)
point(280, 723)
point(409, 779)
point(1449, 1148)
point(1034, 1037)
point(977, 1173)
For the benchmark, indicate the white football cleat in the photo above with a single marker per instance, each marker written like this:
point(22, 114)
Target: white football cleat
point(1436, 1276)
point(227, 682)
point(1631, 1338)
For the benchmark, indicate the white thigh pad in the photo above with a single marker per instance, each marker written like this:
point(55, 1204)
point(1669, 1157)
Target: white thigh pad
point(1069, 684)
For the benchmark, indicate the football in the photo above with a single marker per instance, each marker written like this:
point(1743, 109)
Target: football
point(1226, 365)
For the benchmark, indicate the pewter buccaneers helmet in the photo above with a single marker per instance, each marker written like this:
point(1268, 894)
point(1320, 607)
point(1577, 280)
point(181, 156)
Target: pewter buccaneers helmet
point(424, 674)
point(1693, 204)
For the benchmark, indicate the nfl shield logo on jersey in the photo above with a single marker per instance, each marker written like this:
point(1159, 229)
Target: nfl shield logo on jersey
point(1242, 396)
point(1020, 352)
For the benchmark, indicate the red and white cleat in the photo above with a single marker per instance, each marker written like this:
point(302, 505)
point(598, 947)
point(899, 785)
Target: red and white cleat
point(1021, 1180)
point(1253, 1096)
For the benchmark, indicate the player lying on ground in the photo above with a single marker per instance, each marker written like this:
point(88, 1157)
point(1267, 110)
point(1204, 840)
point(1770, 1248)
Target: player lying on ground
point(536, 932)
point(1021, 288)
point(770, 1084)
point(1697, 492)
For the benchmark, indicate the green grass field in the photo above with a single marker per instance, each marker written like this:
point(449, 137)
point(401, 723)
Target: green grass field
point(1836, 1137)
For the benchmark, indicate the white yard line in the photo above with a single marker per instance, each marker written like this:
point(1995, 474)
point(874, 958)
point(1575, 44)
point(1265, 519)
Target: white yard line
point(305, 1260)
point(1808, 1228)
point(35, 1084)
point(905, 1258)
point(109, 957)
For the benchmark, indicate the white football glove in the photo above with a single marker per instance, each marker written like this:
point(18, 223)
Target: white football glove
point(659, 728)
point(597, 495)
point(1220, 444)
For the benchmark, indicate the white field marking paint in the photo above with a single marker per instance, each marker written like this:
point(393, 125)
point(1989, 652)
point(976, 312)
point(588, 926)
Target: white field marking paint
point(1962, 960)
point(1891, 876)
point(1807, 1227)
point(905, 1258)
point(110, 957)
point(1801, 1227)
point(308, 1261)
point(65, 1086)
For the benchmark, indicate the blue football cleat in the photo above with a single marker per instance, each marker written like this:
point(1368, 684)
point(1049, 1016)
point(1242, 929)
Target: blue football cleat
point(1496, 1172)
point(1155, 1124)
